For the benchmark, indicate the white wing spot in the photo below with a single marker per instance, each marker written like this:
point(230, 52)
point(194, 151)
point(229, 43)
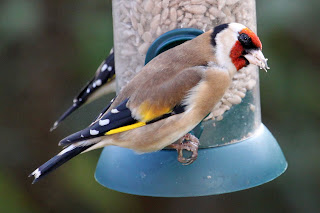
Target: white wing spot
point(88, 90)
point(94, 132)
point(36, 173)
point(98, 82)
point(109, 68)
point(114, 111)
point(104, 67)
point(104, 122)
point(94, 85)
point(75, 100)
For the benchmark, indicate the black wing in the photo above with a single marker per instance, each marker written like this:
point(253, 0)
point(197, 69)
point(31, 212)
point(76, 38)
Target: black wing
point(117, 117)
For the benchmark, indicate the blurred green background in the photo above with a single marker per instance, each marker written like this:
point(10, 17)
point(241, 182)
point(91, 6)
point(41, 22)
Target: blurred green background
point(48, 51)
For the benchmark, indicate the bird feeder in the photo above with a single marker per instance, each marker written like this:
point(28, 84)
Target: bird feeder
point(236, 150)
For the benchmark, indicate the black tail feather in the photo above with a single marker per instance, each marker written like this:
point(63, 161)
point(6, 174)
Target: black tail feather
point(57, 161)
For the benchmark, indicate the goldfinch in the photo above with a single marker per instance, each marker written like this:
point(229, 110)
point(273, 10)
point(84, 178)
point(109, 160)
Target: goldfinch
point(102, 83)
point(169, 96)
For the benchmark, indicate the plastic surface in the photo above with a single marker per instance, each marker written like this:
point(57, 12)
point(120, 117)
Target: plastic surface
point(235, 167)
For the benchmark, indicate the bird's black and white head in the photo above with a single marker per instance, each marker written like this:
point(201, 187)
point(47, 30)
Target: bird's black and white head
point(237, 46)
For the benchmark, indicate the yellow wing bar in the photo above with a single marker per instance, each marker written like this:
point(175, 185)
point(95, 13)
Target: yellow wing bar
point(125, 128)
point(148, 112)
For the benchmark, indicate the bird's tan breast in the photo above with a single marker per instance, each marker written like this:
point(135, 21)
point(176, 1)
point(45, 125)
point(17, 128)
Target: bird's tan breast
point(208, 93)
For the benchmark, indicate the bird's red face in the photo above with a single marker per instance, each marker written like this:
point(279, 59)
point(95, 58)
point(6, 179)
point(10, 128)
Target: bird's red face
point(247, 50)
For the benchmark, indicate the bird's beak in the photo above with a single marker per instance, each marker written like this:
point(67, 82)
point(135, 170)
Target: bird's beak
point(256, 57)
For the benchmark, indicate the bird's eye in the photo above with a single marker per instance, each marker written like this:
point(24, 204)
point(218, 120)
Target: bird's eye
point(243, 37)
point(245, 40)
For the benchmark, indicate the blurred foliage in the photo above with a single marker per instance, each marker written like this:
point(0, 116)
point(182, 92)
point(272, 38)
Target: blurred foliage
point(49, 49)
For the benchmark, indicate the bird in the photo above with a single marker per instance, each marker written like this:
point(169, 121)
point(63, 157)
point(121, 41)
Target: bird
point(170, 96)
point(101, 84)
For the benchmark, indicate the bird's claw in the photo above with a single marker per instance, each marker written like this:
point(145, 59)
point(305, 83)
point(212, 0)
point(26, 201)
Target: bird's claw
point(189, 143)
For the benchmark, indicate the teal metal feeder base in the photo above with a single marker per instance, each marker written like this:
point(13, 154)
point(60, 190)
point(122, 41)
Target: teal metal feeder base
point(218, 170)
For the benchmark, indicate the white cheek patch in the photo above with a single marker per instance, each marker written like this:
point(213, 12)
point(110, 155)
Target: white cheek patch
point(225, 41)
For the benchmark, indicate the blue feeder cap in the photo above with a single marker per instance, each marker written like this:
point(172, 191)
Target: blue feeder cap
point(171, 39)
point(222, 168)
point(219, 170)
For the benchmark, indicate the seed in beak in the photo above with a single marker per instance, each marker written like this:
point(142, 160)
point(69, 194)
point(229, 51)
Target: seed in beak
point(256, 57)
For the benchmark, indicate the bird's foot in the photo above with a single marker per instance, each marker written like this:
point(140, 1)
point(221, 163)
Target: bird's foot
point(187, 142)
